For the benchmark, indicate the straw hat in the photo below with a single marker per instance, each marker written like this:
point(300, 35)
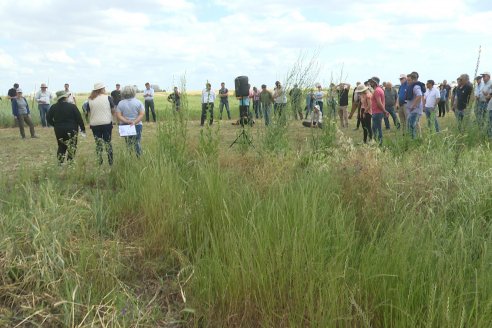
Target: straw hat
point(361, 88)
point(61, 94)
point(43, 85)
point(98, 86)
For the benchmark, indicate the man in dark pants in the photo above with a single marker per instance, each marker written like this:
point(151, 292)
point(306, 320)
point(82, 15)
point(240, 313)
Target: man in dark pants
point(149, 101)
point(224, 100)
point(208, 99)
point(116, 94)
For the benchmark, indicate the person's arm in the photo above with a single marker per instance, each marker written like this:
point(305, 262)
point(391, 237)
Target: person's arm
point(425, 100)
point(111, 104)
point(78, 118)
point(380, 104)
point(49, 117)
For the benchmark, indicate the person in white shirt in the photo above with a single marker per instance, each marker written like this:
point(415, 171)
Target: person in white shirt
point(149, 102)
point(43, 98)
point(208, 99)
point(71, 97)
point(431, 99)
point(316, 119)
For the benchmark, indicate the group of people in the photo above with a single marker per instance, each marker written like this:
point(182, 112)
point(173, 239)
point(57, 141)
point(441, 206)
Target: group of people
point(61, 113)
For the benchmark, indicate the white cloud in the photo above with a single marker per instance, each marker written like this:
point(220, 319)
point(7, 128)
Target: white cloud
point(60, 57)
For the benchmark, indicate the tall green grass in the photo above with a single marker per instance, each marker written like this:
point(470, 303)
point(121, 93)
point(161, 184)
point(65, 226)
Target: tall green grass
point(189, 234)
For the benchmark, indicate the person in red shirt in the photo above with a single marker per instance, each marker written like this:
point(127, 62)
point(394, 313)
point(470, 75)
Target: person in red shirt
point(378, 109)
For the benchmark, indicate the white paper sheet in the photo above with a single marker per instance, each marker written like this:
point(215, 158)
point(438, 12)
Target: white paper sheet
point(127, 130)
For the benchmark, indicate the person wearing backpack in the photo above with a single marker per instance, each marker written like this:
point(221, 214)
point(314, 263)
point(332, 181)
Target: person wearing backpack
point(413, 99)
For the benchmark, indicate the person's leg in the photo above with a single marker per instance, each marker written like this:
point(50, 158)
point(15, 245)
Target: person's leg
point(138, 140)
point(377, 121)
point(211, 108)
point(340, 116)
point(345, 116)
point(396, 121)
point(267, 108)
point(320, 103)
point(72, 145)
point(428, 117)
point(436, 123)
point(228, 110)
point(98, 138)
point(61, 139)
point(204, 114)
point(152, 108)
point(403, 117)
point(359, 118)
point(42, 115)
point(20, 122)
point(107, 142)
point(412, 124)
point(386, 122)
point(365, 126)
point(221, 108)
point(29, 122)
point(147, 106)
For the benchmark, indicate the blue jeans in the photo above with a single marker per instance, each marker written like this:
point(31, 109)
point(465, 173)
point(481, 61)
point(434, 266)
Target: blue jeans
point(392, 112)
point(481, 112)
point(221, 108)
point(490, 123)
point(413, 119)
point(377, 127)
point(135, 141)
point(266, 112)
point(43, 110)
point(149, 104)
point(430, 113)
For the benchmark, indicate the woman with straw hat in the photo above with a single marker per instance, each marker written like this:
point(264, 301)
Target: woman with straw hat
point(365, 110)
point(66, 120)
point(101, 109)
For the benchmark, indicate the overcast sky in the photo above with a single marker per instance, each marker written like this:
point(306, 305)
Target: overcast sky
point(162, 41)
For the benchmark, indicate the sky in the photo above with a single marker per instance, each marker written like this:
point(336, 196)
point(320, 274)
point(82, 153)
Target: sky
point(189, 42)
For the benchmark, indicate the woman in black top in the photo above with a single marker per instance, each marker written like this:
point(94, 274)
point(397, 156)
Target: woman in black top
point(66, 120)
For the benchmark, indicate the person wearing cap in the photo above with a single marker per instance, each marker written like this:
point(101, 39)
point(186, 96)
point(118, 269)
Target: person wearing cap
point(378, 109)
point(66, 121)
point(71, 97)
point(149, 102)
point(130, 111)
point(43, 98)
point(448, 94)
point(318, 97)
point(400, 104)
point(443, 95)
point(431, 99)
point(316, 119)
point(266, 101)
point(463, 95)
point(20, 110)
point(101, 109)
point(365, 98)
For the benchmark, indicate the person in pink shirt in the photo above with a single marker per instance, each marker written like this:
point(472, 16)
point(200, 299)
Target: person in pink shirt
point(378, 109)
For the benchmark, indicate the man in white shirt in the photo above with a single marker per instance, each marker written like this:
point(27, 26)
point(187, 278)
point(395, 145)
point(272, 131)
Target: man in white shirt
point(149, 102)
point(208, 99)
point(43, 98)
point(431, 99)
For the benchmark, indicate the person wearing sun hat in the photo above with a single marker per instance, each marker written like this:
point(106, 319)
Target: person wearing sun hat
point(20, 110)
point(101, 108)
point(43, 98)
point(66, 120)
point(365, 110)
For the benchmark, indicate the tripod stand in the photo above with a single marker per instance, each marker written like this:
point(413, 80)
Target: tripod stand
point(244, 137)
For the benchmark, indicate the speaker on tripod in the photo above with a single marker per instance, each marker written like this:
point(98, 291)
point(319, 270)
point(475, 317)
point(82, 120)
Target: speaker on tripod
point(241, 85)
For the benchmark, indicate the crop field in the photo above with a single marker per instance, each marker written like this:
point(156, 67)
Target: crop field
point(306, 228)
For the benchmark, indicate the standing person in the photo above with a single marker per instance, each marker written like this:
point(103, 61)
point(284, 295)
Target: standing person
point(309, 102)
point(266, 101)
point(131, 111)
point(482, 100)
point(480, 107)
point(256, 103)
point(365, 98)
point(463, 94)
point(116, 95)
point(316, 119)
point(43, 98)
point(101, 108)
point(20, 110)
point(390, 101)
point(149, 102)
point(280, 100)
point(71, 96)
point(224, 101)
point(400, 105)
point(208, 99)
point(443, 94)
point(66, 121)
point(448, 93)
point(378, 109)
point(431, 98)
point(244, 114)
point(175, 99)
point(414, 107)
point(343, 92)
point(295, 100)
point(331, 102)
point(12, 95)
point(318, 97)
point(356, 106)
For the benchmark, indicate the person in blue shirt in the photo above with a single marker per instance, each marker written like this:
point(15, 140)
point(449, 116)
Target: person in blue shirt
point(400, 104)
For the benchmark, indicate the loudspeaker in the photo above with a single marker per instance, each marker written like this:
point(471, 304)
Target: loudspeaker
point(242, 86)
